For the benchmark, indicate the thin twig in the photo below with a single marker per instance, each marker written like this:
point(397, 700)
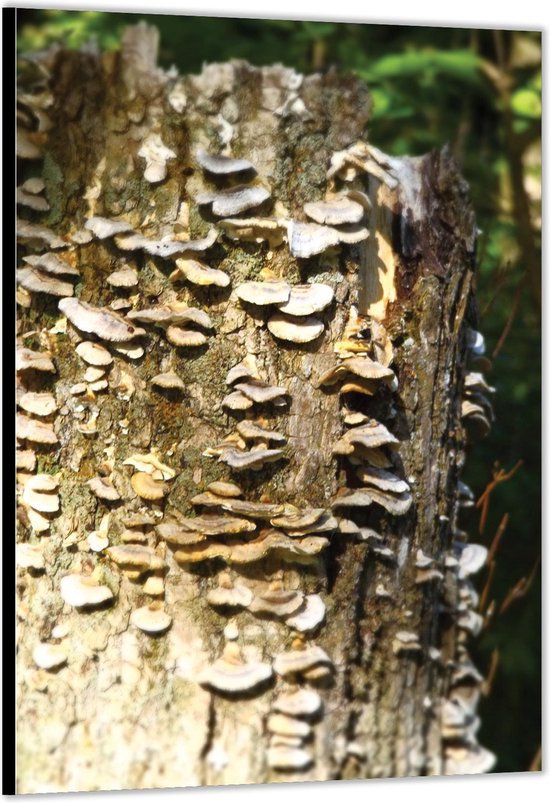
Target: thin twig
point(498, 535)
point(493, 666)
point(520, 589)
point(487, 586)
point(498, 476)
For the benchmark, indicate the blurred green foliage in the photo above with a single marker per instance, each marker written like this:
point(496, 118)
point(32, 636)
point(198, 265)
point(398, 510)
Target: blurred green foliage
point(480, 91)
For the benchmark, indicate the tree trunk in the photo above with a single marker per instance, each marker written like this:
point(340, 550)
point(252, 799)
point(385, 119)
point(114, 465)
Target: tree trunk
point(193, 692)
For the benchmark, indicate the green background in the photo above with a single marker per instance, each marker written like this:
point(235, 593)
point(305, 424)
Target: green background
point(480, 92)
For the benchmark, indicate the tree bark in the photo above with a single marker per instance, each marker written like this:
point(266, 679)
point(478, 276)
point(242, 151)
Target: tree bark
point(127, 709)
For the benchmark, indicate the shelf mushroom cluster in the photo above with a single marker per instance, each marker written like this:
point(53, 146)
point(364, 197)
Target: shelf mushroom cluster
point(477, 411)
point(459, 722)
point(38, 495)
point(367, 444)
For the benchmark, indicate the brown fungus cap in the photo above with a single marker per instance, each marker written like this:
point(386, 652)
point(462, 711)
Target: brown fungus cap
point(224, 488)
point(198, 273)
point(310, 616)
point(237, 401)
point(168, 381)
point(212, 524)
point(136, 556)
point(30, 556)
point(285, 725)
point(300, 519)
point(246, 369)
point(255, 230)
point(185, 338)
point(146, 487)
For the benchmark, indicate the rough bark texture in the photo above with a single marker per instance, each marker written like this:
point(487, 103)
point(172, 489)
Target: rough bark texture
point(125, 709)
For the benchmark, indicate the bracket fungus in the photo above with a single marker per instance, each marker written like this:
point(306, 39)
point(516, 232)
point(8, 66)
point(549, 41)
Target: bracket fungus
point(255, 230)
point(229, 202)
point(309, 239)
point(166, 248)
point(224, 488)
point(40, 494)
point(223, 165)
point(34, 234)
point(285, 725)
point(305, 299)
point(197, 273)
point(255, 459)
point(151, 619)
point(26, 359)
point(288, 758)
point(34, 431)
point(146, 487)
point(310, 616)
point(83, 592)
point(277, 603)
point(123, 278)
point(49, 656)
point(299, 703)
point(231, 675)
point(270, 291)
point(37, 281)
point(405, 641)
point(335, 211)
point(52, 263)
point(99, 321)
point(41, 404)
point(168, 380)
point(30, 556)
point(297, 661)
point(156, 154)
point(261, 392)
point(94, 354)
point(103, 488)
point(103, 227)
point(302, 330)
